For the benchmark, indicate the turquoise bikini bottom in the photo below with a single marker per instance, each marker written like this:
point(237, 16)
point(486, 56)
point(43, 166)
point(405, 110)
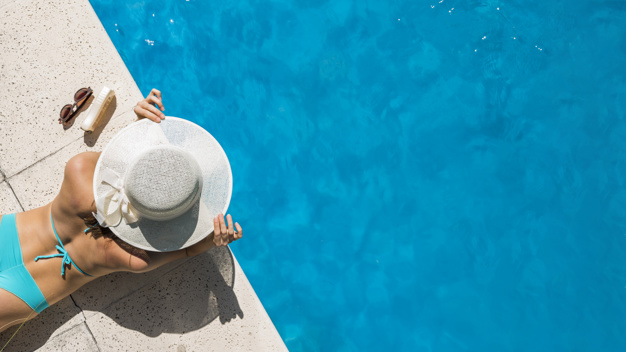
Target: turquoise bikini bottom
point(13, 274)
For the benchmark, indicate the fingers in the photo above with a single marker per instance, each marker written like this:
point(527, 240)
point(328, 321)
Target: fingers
point(147, 110)
point(154, 100)
point(231, 228)
point(220, 232)
point(217, 234)
point(224, 231)
point(223, 228)
point(146, 104)
point(239, 232)
point(143, 113)
point(155, 92)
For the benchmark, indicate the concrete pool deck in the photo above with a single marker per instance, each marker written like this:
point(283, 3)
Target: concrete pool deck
point(49, 50)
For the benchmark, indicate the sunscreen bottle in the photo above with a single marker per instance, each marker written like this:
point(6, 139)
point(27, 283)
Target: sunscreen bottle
point(97, 109)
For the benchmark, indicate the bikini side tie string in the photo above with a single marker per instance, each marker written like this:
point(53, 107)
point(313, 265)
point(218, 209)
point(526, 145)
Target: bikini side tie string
point(63, 254)
point(66, 260)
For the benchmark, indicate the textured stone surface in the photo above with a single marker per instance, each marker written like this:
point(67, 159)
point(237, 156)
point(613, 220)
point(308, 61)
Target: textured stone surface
point(51, 323)
point(38, 184)
point(50, 49)
point(76, 339)
point(98, 294)
point(5, 3)
point(206, 301)
point(243, 324)
point(8, 202)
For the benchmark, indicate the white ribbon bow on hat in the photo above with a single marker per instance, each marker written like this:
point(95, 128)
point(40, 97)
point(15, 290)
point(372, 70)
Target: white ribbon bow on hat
point(114, 204)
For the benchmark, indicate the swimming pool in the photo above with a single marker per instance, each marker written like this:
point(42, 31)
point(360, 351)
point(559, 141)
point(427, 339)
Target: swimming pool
point(417, 176)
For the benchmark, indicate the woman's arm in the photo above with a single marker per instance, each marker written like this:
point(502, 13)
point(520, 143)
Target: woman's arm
point(223, 234)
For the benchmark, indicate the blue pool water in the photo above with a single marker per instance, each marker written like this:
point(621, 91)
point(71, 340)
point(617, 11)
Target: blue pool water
point(411, 175)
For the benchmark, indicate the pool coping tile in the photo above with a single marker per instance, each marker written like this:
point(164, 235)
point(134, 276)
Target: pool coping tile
point(205, 301)
point(39, 331)
point(33, 151)
point(8, 201)
point(49, 52)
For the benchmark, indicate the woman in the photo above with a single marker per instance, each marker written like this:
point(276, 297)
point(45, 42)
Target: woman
point(64, 233)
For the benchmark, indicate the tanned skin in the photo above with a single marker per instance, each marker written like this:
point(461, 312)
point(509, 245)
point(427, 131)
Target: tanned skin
point(96, 256)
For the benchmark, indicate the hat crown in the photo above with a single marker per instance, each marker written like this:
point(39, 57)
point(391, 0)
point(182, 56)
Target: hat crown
point(163, 182)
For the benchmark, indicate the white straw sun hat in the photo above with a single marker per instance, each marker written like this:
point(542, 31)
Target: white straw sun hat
point(158, 186)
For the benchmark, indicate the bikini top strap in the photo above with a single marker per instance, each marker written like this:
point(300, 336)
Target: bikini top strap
point(63, 254)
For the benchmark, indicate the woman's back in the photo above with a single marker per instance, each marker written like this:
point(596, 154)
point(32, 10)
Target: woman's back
point(36, 233)
point(56, 236)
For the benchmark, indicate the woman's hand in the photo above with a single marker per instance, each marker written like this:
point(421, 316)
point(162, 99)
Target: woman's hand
point(223, 234)
point(147, 109)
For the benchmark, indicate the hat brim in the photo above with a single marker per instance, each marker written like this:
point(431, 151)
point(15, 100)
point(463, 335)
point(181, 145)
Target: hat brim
point(195, 224)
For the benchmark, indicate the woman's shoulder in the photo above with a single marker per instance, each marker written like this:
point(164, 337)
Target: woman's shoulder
point(76, 197)
point(82, 164)
point(76, 194)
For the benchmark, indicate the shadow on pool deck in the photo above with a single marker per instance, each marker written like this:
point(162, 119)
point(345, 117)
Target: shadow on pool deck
point(90, 138)
point(186, 303)
point(184, 299)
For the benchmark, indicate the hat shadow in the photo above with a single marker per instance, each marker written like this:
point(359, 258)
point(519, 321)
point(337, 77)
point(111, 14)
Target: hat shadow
point(177, 298)
point(185, 226)
point(186, 298)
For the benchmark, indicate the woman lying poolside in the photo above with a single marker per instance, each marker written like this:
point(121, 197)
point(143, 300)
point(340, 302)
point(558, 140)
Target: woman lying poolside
point(49, 252)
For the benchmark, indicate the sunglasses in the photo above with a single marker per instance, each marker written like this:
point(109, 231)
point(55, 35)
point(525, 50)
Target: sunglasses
point(70, 110)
